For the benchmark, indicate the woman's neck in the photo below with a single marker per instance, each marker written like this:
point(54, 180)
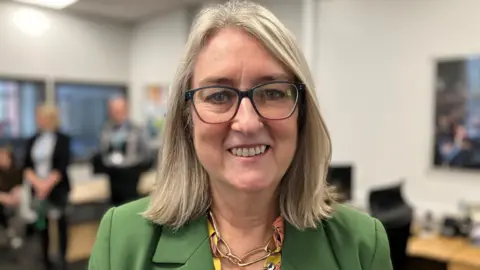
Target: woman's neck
point(46, 130)
point(244, 220)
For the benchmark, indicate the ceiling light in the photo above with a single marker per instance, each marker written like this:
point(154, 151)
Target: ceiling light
point(56, 4)
point(31, 22)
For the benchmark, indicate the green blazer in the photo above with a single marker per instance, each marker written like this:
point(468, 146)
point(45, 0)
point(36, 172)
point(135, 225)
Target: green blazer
point(350, 240)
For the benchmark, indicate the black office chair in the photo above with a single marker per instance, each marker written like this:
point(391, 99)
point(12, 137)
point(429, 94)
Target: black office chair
point(388, 205)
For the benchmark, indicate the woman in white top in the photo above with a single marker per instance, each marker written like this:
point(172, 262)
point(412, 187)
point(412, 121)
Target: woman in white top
point(46, 161)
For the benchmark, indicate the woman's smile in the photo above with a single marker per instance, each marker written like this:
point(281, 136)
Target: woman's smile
point(250, 154)
point(249, 151)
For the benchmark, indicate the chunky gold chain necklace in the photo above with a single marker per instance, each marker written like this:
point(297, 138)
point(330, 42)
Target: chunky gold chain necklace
point(225, 252)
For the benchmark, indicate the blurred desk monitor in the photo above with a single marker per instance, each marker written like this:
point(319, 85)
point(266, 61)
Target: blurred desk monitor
point(340, 176)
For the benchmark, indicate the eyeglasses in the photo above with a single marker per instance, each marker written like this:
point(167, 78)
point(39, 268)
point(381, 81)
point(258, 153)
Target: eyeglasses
point(275, 100)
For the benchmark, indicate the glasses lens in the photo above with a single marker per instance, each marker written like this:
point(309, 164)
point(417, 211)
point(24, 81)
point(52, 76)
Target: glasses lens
point(215, 104)
point(276, 100)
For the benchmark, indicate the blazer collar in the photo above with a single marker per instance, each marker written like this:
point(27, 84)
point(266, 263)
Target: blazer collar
point(189, 248)
point(307, 249)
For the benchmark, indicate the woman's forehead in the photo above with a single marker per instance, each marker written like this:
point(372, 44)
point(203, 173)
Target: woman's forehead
point(234, 56)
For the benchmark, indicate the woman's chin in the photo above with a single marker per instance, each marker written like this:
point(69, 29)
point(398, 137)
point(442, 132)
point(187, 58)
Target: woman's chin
point(252, 184)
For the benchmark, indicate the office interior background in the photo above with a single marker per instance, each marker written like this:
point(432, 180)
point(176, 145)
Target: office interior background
point(373, 61)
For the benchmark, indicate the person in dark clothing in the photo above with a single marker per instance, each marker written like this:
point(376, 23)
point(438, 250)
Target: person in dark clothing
point(46, 162)
point(124, 151)
point(10, 188)
point(10, 178)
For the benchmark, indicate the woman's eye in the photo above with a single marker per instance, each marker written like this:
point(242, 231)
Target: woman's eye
point(220, 97)
point(272, 94)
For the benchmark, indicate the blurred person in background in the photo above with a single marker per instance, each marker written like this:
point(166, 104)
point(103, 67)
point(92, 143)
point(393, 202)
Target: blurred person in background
point(46, 162)
point(124, 150)
point(242, 177)
point(10, 195)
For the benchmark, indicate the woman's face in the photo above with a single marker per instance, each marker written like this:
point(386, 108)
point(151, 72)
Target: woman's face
point(42, 120)
point(234, 58)
point(45, 120)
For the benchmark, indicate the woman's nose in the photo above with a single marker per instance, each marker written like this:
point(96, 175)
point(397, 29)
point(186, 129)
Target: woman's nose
point(247, 119)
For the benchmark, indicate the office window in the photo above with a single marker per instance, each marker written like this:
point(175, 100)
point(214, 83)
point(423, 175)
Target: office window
point(18, 101)
point(83, 109)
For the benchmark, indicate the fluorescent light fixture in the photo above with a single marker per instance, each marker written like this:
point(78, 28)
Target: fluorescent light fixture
point(55, 4)
point(32, 22)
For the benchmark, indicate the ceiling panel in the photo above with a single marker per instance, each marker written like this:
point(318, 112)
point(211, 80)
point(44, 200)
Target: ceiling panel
point(128, 10)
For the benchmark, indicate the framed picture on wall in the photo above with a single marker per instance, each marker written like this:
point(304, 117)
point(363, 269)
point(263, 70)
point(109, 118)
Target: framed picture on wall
point(457, 113)
point(155, 111)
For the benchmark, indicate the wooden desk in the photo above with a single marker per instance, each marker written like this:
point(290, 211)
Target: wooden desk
point(456, 253)
point(467, 258)
point(436, 248)
point(98, 190)
point(82, 236)
point(81, 240)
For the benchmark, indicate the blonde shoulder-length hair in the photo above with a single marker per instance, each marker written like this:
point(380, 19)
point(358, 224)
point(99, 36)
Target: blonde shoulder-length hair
point(50, 114)
point(181, 192)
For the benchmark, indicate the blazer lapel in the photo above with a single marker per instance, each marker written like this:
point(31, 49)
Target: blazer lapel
point(187, 248)
point(309, 249)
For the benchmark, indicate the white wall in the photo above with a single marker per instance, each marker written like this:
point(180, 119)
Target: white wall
point(375, 77)
point(290, 14)
point(157, 45)
point(70, 48)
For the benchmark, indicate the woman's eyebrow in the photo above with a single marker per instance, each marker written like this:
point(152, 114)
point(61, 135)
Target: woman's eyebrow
point(222, 80)
point(216, 80)
point(273, 77)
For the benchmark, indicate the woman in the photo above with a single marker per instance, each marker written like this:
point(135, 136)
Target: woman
point(10, 180)
point(10, 188)
point(241, 183)
point(46, 163)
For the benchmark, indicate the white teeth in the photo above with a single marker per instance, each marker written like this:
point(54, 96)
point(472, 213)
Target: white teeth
point(248, 152)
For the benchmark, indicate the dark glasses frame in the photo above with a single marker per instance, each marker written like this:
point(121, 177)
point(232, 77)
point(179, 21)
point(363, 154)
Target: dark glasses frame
point(247, 94)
